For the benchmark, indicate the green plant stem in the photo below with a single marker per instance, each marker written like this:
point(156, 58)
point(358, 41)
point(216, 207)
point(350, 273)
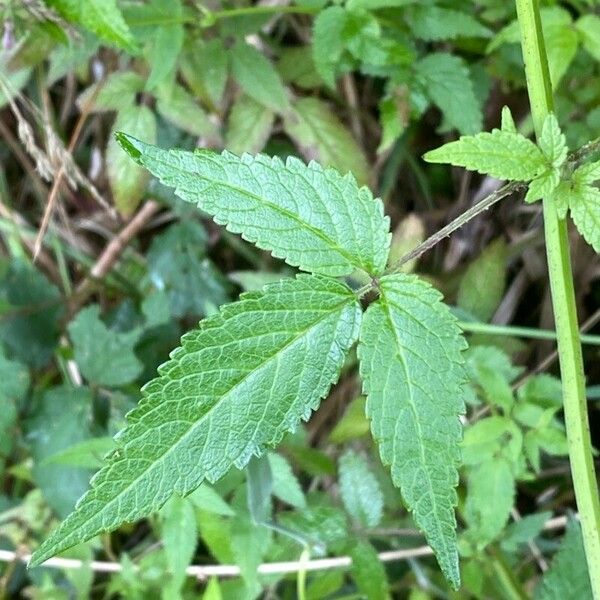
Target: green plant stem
point(524, 332)
point(563, 301)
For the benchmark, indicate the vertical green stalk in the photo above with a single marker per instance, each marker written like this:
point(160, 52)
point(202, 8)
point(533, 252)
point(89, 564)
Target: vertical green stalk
point(563, 301)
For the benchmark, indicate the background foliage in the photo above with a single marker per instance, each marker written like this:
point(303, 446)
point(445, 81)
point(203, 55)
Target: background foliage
point(124, 268)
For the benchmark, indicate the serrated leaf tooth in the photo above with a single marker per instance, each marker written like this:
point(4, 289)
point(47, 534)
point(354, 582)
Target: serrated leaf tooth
point(313, 218)
point(411, 366)
point(203, 415)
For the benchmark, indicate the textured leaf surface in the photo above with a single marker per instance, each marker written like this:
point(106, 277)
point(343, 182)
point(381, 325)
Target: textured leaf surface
point(567, 578)
point(584, 204)
point(257, 76)
point(328, 43)
point(491, 479)
point(368, 572)
point(412, 369)
point(105, 357)
point(501, 154)
point(321, 136)
point(360, 490)
point(248, 375)
point(437, 23)
point(552, 142)
point(102, 17)
point(447, 82)
point(314, 218)
point(249, 126)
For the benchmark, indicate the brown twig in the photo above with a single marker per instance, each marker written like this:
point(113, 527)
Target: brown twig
point(113, 251)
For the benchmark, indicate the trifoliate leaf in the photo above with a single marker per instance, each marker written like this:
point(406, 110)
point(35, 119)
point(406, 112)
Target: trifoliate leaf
point(447, 82)
point(321, 136)
point(105, 357)
point(542, 186)
point(247, 376)
point(257, 76)
point(584, 204)
point(433, 23)
point(508, 123)
point(568, 575)
point(360, 490)
point(411, 365)
point(552, 142)
point(305, 214)
point(497, 153)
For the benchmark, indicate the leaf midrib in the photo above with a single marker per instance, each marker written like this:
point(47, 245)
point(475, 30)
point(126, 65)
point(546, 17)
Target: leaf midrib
point(387, 311)
point(218, 403)
point(317, 232)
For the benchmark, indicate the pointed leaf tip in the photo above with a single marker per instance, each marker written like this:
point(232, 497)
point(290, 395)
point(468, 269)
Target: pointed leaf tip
point(131, 145)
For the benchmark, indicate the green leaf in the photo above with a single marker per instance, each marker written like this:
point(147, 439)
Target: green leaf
point(247, 376)
point(552, 142)
point(482, 286)
point(328, 42)
point(543, 186)
point(213, 590)
point(205, 498)
point(101, 17)
point(360, 490)
point(15, 383)
point(249, 126)
point(285, 484)
point(257, 76)
point(259, 483)
point(584, 204)
point(29, 325)
point(165, 44)
point(524, 530)
point(508, 123)
point(60, 420)
point(501, 154)
point(353, 423)
point(588, 27)
point(105, 357)
point(434, 23)
point(368, 572)
point(116, 92)
point(177, 264)
point(127, 181)
point(486, 519)
point(176, 105)
point(568, 575)
point(179, 537)
point(412, 370)
point(321, 136)
point(204, 66)
point(264, 199)
point(447, 82)
point(561, 41)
